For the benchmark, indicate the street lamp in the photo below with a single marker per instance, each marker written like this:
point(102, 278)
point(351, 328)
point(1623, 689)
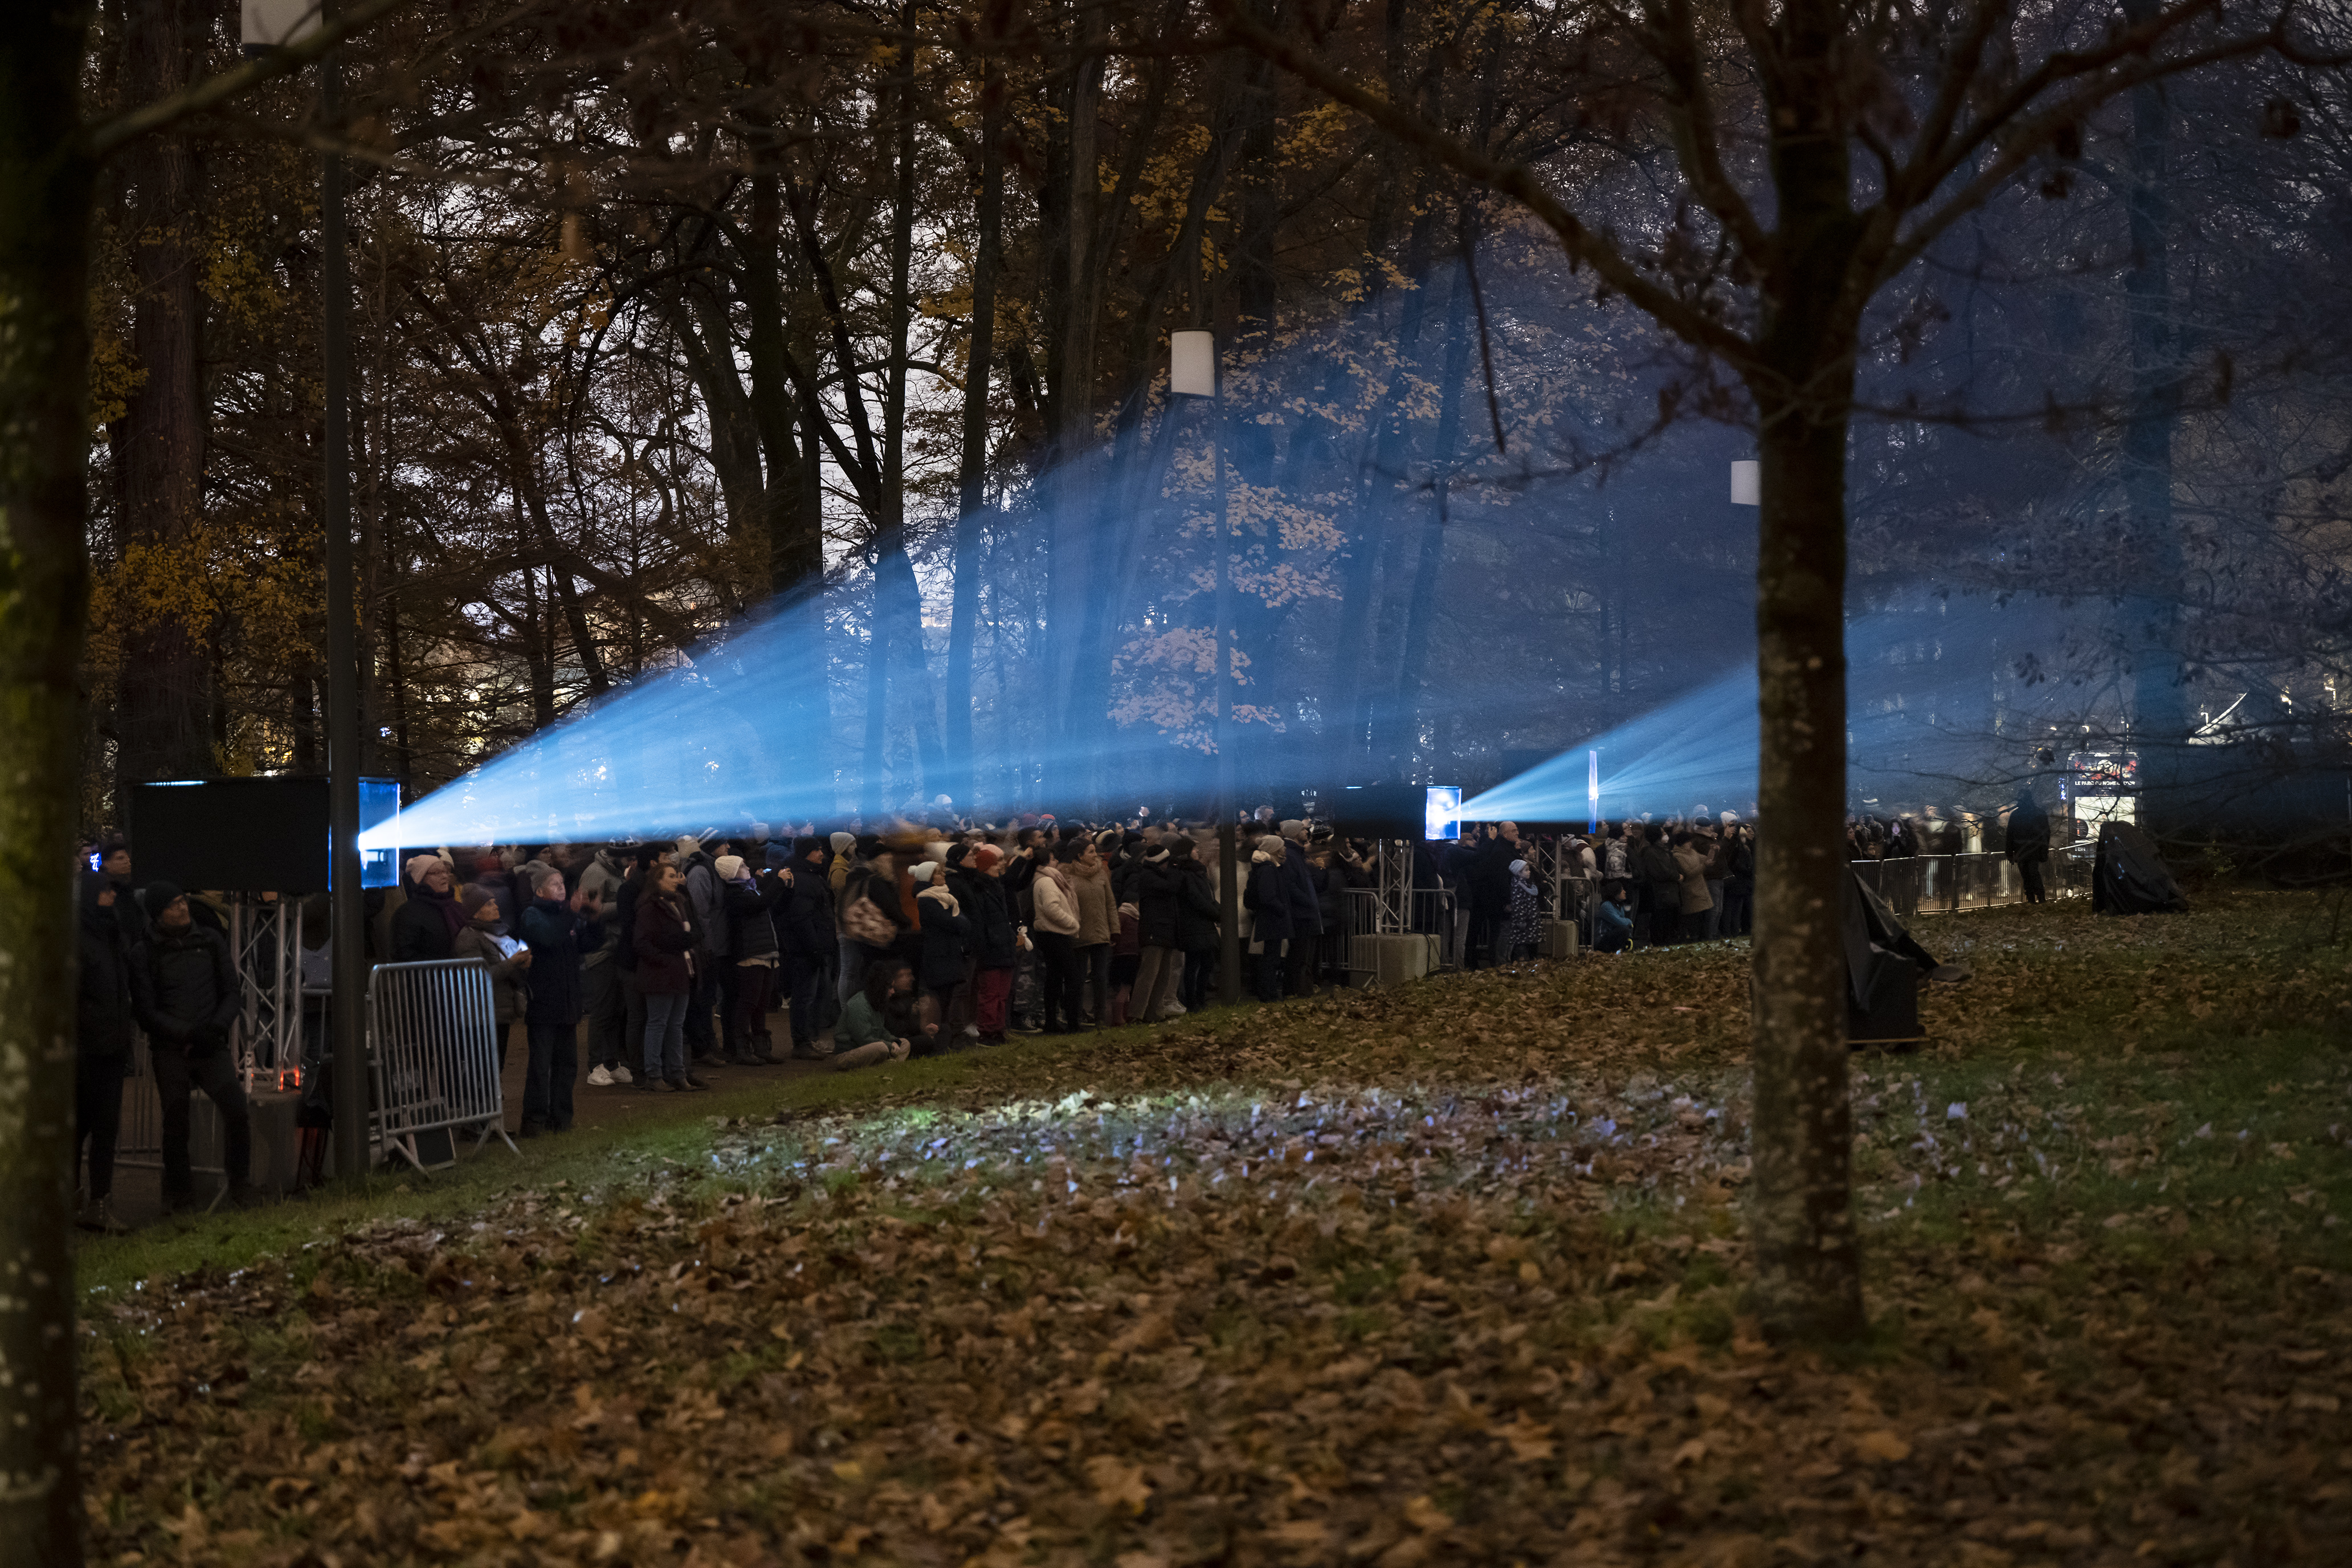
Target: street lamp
point(268, 25)
point(1193, 372)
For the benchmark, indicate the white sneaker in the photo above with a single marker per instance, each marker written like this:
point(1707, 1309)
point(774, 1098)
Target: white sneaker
point(620, 1073)
point(599, 1077)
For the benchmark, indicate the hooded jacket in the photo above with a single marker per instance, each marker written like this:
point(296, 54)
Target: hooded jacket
point(947, 933)
point(183, 989)
point(1057, 909)
point(1098, 908)
point(102, 1014)
point(1154, 888)
point(1266, 895)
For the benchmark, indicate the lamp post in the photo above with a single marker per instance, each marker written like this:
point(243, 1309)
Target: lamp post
point(267, 24)
point(1193, 372)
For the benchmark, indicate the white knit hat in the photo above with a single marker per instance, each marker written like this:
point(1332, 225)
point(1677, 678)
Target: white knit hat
point(729, 868)
point(922, 872)
point(843, 843)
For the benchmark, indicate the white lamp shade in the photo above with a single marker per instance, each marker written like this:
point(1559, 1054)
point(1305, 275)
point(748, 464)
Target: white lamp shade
point(1747, 483)
point(1193, 364)
point(272, 23)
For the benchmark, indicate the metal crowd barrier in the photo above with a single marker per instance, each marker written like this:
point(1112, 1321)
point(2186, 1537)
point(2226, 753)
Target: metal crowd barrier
point(1946, 884)
point(434, 1039)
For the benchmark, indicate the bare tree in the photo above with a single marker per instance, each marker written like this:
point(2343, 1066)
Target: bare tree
point(1808, 157)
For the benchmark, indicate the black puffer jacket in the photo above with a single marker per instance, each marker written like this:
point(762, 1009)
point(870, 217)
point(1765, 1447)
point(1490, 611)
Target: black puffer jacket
point(102, 1006)
point(420, 930)
point(750, 908)
point(183, 990)
point(1155, 888)
point(1197, 915)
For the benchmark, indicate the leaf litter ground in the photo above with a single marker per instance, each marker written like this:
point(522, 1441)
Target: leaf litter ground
point(1447, 1274)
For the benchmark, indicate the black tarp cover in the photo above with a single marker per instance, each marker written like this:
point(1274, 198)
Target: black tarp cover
point(1883, 967)
point(2129, 876)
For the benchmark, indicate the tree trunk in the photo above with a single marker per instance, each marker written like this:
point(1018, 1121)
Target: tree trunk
point(159, 461)
point(1420, 614)
point(972, 476)
point(46, 192)
point(1800, 1218)
point(2160, 723)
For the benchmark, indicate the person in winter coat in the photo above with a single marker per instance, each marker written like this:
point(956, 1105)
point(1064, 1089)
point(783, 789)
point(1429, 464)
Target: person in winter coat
point(1126, 963)
point(667, 943)
point(1527, 911)
point(1306, 913)
point(185, 994)
point(869, 890)
point(714, 976)
point(995, 942)
point(1097, 925)
point(605, 997)
point(1057, 939)
point(812, 943)
point(1691, 860)
point(561, 929)
point(1490, 878)
point(2028, 843)
point(103, 1019)
point(1267, 896)
point(1661, 883)
point(1612, 922)
point(1154, 886)
point(1200, 920)
point(874, 1027)
point(426, 926)
point(748, 904)
point(946, 940)
point(509, 977)
point(1738, 882)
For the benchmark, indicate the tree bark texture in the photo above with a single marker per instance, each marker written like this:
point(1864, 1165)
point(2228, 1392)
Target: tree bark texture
point(46, 208)
point(1800, 1212)
point(162, 719)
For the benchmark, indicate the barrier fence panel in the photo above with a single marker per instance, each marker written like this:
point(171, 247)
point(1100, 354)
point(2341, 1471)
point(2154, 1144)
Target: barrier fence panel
point(1943, 884)
point(434, 1049)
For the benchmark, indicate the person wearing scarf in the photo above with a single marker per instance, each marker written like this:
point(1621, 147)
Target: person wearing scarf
point(426, 926)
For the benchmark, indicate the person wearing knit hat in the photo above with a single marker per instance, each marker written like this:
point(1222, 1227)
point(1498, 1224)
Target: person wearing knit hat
point(921, 871)
point(686, 844)
point(730, 869)
point(843, 843)
point(185, 994)
point(425, 927)
point(984, 856)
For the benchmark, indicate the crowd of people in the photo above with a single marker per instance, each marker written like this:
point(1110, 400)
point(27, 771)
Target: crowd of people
point(666, 957)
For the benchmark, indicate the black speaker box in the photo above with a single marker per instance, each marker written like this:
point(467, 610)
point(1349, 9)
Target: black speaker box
point(248, 835)
point(1381, 810)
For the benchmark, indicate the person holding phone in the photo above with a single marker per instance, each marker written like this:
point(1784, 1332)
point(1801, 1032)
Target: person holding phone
point(560, 928)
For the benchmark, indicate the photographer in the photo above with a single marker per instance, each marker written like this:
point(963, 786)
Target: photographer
point(183, 991)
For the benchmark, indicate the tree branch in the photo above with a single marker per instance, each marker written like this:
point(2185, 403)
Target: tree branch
point(116, 131)
point(1514, 180)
